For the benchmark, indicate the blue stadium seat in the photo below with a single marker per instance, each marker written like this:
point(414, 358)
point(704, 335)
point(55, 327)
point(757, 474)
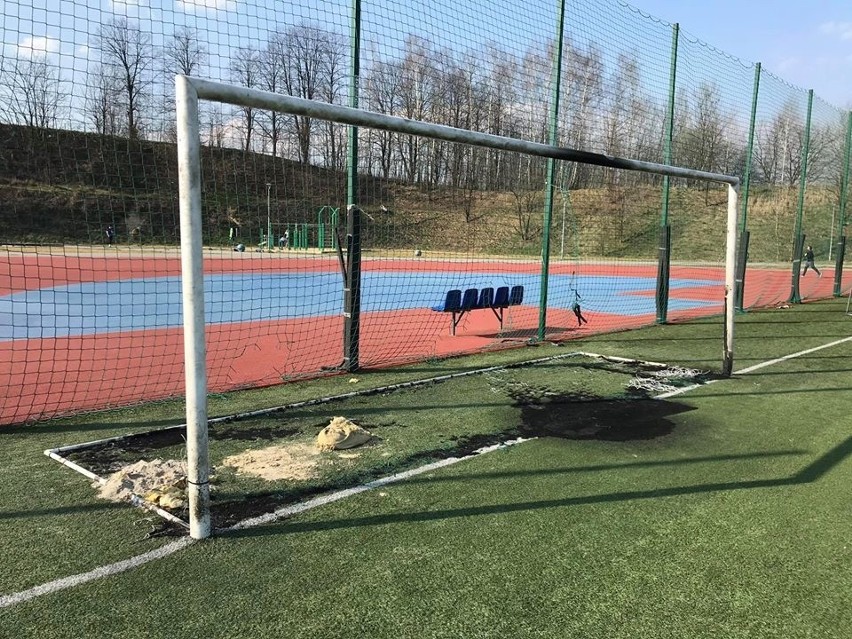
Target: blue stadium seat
point(501, 298)
point(451, 303)
point(459, 303)
point(516, 296)
point(469, 300)
point(486, 298)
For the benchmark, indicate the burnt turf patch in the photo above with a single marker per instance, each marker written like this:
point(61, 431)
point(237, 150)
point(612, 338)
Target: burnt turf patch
point(111, 456)
point(572, 416)
point(551, 400)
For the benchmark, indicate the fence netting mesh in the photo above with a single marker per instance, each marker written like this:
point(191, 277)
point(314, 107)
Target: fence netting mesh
point(90, 290)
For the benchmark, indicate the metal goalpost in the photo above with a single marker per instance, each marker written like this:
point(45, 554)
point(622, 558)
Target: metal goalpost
point(188, 93)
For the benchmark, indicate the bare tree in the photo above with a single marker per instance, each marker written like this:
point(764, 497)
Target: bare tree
point(778, 146)
point(701, 137)
point(416, 94)
point(102, 105)
point(502, 82)
point(631, 123)
point(307, 47)
point(31, 92)
point(332, 90)
point(184, 54)
point(127, 50)
point(581, 96)
point(272, 69)
point(382, 93)
point(245, 69)
point(216, 127)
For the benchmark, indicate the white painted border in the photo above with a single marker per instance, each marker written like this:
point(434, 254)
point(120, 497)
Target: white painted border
point(750, 369)
point(169, 549)
point(50, 587)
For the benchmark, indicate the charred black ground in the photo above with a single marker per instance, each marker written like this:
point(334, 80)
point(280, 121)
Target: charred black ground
point(543, 413)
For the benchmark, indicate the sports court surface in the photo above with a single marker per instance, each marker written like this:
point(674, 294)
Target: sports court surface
point(104, 329)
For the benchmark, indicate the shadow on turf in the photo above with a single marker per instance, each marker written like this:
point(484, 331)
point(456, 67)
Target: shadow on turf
point(602, 467)
point(59, 510)
point(810, 473)
point(832, 389)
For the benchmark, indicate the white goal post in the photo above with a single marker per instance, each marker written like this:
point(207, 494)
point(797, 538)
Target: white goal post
point(190, 90)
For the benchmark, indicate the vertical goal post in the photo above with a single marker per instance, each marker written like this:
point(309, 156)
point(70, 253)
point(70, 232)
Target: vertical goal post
point(190, 90)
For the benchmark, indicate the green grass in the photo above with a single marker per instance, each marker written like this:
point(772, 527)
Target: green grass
point(736, 524)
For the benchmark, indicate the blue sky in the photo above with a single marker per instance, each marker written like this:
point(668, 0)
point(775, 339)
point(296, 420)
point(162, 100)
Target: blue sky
point(809, 44)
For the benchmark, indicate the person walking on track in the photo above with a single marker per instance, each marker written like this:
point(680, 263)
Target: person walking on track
point(809, 261)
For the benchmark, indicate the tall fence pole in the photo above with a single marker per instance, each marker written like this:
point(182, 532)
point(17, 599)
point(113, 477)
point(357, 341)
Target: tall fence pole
point(841, 222)
point(664, 251)
point(798, 238)
point(742, 259)
point(551, 170)
point(352, 307)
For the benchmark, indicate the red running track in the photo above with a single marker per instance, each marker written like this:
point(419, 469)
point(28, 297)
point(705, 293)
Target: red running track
point(41, 378)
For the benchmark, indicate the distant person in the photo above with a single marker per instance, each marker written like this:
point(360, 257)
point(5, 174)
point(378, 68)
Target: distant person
point(809, 261)
point(110, 233)
point(577, 311)
point(285, 239)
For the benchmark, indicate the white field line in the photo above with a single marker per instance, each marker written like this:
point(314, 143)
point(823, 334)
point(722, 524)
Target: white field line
point(104, 571)
point(169, 549)
point(288, 511)
point(750, 369)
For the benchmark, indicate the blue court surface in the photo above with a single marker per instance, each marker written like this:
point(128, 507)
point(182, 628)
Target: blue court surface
point(155, 303)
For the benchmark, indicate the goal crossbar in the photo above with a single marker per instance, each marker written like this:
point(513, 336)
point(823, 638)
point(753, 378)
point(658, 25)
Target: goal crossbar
point(242, 96)
point(190, 90)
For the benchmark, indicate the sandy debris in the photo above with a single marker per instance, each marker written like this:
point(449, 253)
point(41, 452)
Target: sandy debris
point(159, 482)
point(296, 462)
point(342, 433)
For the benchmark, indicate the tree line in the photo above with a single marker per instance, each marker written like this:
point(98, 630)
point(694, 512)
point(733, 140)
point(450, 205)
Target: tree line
point(610, 110)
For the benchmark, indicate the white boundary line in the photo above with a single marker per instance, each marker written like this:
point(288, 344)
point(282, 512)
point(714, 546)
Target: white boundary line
point(750, 369)
point(294, 509)
point(104, 571)
point(169, 549)
point(288, 511)
point(794, 355)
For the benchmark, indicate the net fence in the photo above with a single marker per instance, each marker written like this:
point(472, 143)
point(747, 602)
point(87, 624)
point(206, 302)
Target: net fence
point(90, 306)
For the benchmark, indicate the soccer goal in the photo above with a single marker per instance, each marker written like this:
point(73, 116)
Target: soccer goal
point(189, 91)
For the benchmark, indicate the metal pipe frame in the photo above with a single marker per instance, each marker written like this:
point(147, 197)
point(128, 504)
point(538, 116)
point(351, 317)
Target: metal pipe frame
point(190, 90)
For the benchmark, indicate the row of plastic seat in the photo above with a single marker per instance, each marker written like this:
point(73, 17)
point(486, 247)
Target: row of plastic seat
point(458, 304)
point(485, 298)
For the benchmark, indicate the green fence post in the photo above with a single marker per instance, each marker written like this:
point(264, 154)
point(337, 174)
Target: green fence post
point(664, 250)
point(798, 239)
point(352, 291)
point(553, 139)
point(743, 257)
point(321, 228)
point(351, 319)
point(354, 88)
point(841, 214)
point(335, 220)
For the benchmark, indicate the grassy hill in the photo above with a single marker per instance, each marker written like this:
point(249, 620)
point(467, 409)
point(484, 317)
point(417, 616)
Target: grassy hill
point(61, 186)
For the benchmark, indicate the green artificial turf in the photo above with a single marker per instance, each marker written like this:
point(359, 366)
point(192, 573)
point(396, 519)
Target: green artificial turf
point(734, 524)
